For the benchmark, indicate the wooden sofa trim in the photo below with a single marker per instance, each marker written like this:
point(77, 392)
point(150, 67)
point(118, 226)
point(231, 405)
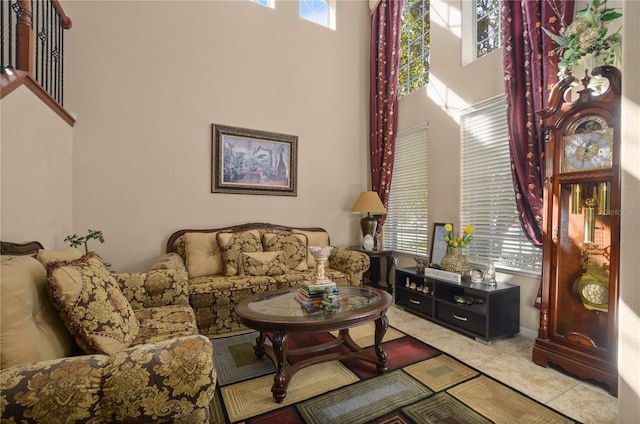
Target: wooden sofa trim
point(241, 227)
point(26, 248)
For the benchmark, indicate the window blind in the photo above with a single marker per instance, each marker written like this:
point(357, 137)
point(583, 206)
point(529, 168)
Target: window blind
point(406, 228)
point(488, 196)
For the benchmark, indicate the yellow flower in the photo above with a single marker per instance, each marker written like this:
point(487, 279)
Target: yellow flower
point(464, 239)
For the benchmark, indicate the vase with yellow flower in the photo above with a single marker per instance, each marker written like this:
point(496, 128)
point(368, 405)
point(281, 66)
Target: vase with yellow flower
point(454, 260)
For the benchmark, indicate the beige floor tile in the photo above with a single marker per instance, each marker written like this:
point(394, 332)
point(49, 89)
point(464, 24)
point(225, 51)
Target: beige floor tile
point(509, 361)
point(587, 403)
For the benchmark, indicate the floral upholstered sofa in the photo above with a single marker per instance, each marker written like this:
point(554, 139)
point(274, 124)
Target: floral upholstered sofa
point(226, 265)
point(80, 344)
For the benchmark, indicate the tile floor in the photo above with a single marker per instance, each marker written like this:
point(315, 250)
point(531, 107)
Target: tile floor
point(509, 361)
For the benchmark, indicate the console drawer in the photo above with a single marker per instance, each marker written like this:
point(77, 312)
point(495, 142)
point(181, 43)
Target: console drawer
point(461, 318)
point(415, 300)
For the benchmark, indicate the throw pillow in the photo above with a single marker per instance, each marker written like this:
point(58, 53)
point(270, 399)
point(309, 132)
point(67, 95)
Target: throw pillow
point(91, 305)
point(203, 254)
point(263, 263)
point(314, 238)
point(233, 244)
point(65, 254)
point(294, 247)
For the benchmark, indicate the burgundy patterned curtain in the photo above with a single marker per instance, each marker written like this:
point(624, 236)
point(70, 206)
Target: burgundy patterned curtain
point(386, 22)
point(530, 71)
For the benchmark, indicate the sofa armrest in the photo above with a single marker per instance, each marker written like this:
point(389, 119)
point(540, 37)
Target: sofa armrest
point(155, 288)
point(45, 391)
point(144, 383)
point(170, 260)
point(154, 382)
point(350, 262)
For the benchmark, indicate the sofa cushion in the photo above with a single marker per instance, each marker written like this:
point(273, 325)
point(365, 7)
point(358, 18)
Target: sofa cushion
point(263, 263)
point(65, 254)
point(203, 254)
point(293, 245)
point(30, 329)
point(233, 244)
point(314, 238)
point(91, 305)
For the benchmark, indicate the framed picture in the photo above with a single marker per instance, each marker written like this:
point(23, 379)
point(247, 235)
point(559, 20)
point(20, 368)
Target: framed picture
point(248, 161)
point(438, 244)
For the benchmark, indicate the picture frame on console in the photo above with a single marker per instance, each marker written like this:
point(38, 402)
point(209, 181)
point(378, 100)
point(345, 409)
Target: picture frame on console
point(438, 243)
point(246, 161)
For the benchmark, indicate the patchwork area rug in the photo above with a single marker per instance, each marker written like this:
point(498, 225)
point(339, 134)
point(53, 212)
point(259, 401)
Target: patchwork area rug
point(423, 385)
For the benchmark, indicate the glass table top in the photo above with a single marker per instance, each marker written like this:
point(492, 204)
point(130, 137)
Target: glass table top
point(286, 303)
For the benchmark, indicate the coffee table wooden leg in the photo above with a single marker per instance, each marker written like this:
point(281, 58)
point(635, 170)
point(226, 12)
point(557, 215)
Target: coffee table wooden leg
point(280, 383)
point(259, 347)
point(382, 324)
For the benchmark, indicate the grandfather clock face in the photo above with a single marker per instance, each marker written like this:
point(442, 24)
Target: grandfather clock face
point(587, 145)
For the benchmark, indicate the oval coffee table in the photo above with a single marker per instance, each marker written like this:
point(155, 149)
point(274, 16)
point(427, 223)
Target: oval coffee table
point(281, 314)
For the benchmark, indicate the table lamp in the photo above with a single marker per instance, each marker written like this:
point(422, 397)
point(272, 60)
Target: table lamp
point(369, 202)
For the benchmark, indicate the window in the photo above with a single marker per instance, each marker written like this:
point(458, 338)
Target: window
point(488, 197)
point(318, 11)
point(268, 3)
point(414, 47)
point(488, 33)
point(406, 227)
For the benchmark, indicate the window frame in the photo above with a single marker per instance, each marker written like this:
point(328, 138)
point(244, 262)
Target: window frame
point(422, 79)
point(475, 20)
point(329, 18)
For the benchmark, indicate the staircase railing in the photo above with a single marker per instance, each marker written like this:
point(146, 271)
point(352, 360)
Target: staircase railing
point(33, 41)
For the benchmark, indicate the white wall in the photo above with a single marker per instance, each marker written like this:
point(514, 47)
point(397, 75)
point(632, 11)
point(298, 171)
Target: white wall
point(148, 79)
point(35, 156)
point(629, 306)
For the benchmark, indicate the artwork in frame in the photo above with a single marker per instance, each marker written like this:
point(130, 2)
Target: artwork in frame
point(438, 244)
point(248, 161)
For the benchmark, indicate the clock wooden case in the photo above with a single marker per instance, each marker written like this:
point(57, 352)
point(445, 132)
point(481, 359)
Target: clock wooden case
point(580, 276)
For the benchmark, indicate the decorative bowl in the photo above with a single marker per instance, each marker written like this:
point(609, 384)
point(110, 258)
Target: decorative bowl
point(320, 252)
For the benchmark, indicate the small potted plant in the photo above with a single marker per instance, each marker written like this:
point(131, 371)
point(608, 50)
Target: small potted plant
point(75, 240)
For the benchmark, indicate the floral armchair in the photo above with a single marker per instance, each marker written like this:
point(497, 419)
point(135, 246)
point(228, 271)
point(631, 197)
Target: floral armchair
point(72, 350)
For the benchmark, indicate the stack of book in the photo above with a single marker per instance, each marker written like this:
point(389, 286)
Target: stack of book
point(311, 294)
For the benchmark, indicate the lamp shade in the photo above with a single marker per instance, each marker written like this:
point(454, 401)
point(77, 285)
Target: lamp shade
point(369, 202)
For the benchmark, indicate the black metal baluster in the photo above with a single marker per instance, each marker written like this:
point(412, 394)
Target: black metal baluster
point(60, 60)
point(12, 27)
point(42, 37)
point(35, 21)
point(47, 54)
point(4, 62)
point(55, 54)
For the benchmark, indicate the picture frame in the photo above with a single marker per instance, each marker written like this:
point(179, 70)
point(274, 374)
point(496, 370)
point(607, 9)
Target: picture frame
point(438, 243)
point(246, 161)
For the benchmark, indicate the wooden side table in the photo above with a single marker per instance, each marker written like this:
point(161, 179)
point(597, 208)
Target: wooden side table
point(373, 277)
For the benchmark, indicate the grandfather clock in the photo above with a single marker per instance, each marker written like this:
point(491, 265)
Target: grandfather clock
point(581, 250)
